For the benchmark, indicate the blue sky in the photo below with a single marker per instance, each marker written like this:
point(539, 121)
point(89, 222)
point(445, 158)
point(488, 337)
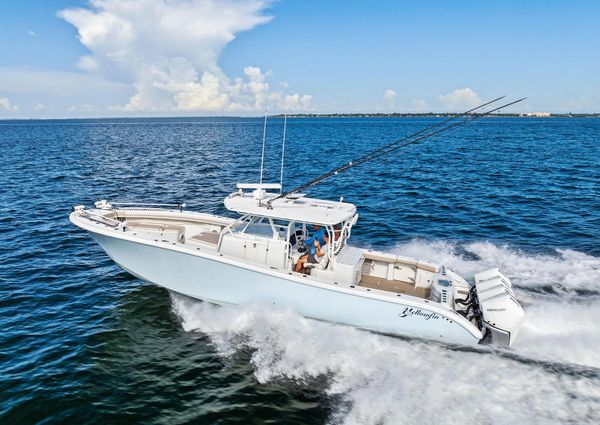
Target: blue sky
point(239, 57)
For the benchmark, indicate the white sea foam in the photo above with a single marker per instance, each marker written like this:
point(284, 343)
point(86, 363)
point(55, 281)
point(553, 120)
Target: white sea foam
point(561, 330)
point(389, 380)
point(393, 381)
point(566, 270)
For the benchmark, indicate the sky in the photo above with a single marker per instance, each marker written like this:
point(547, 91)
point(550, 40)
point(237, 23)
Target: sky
point(113, 58)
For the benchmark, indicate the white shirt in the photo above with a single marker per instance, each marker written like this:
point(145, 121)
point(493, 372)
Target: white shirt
point(324, 249)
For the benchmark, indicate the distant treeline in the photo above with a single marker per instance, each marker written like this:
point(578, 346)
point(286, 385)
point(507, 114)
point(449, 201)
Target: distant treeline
point(432, 114)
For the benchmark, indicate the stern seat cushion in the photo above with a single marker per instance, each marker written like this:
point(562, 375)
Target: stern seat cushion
point(209, 237)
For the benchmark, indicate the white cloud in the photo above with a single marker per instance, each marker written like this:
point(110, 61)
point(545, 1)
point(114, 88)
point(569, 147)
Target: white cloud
point(389, 97)
point(460, 99)
point(419, 105)
point(31, 33)
point(294, 102)
point(168, 51)
point(6, 105)
point(38, 107)
point(88, 63)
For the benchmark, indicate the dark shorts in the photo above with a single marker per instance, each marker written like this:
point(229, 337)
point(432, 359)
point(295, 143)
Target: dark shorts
point(311, 258)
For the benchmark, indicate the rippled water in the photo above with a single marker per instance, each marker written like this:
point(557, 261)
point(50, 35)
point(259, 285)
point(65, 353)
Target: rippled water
point(82, 341)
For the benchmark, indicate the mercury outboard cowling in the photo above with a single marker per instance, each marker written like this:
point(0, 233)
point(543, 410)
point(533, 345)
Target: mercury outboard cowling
point(501, 312)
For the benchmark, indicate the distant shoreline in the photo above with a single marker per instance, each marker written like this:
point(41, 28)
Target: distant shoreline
point(321, 115)
point(435, 114)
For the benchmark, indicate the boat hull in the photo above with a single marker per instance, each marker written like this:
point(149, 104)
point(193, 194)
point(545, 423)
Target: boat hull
point(214, 280)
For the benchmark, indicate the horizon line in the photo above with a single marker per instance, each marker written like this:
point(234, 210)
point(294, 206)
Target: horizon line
point(317, 115)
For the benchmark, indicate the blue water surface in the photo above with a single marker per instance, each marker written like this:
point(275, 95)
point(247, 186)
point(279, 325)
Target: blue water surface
point(83, 341)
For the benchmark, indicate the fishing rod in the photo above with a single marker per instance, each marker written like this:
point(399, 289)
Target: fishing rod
point(466, 120)
point(451, 118)
point(391, 147)
point(350, 164)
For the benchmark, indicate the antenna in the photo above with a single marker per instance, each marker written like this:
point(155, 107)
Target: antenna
point(262, 156)
point(282, 153)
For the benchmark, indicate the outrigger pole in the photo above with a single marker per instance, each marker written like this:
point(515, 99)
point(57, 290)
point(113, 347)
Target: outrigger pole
point(405, 141)
point(262, 156)
point(282, 154)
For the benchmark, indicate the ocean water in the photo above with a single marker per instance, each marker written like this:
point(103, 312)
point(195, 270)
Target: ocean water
point(81, 341)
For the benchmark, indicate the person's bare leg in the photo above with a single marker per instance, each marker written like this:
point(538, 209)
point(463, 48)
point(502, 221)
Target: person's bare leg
point(300, 264)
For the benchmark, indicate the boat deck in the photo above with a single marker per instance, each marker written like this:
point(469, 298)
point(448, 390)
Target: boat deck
point(210, 237)
point(393, 286)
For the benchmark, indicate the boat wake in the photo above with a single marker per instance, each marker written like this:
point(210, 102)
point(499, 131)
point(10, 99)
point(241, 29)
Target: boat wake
point(552, 374)
point(565, 271)
point(560, 294)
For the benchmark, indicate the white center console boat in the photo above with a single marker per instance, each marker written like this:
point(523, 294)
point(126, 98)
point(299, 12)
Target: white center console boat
point(251, 259)
point(254, 258)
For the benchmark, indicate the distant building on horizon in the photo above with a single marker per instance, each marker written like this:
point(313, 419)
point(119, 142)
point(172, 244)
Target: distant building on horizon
point(536, 114)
